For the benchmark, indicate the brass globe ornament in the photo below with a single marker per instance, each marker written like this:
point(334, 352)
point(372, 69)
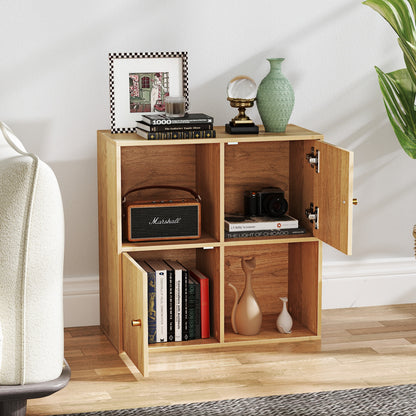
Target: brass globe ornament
point(241, 93)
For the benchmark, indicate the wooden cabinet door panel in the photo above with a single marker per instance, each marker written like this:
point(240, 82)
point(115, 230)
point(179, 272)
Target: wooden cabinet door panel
point(135, 339)
point(333, 195)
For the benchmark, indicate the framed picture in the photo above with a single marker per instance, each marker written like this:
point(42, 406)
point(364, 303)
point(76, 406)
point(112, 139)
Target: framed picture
point(140, 82)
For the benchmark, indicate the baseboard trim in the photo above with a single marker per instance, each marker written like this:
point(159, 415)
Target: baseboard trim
point(368, 283)
point(344, 285)
point(81, 301)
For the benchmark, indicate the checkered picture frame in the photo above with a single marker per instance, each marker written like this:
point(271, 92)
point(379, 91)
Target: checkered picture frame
point(142, 55)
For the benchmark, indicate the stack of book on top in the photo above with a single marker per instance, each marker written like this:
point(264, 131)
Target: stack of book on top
point(249, 227)
point(162, 127)
point(178, 301)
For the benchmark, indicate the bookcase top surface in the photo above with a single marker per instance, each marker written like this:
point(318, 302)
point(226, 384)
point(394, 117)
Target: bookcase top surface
point(292, 132)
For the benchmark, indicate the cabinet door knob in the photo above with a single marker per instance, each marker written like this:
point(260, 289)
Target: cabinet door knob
point(136, 322)
point(355, 201)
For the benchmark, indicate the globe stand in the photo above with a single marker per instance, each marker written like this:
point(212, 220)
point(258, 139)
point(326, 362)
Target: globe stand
point(241, 124)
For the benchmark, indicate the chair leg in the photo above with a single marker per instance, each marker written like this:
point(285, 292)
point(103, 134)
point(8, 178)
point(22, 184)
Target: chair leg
point(13, 408)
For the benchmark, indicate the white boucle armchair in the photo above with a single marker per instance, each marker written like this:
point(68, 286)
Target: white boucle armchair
point(31, 278)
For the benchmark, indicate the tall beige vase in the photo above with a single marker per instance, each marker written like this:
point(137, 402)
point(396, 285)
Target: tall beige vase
point(246, 316)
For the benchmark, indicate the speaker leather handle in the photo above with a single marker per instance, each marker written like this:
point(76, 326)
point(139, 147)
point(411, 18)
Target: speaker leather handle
point(180, 188)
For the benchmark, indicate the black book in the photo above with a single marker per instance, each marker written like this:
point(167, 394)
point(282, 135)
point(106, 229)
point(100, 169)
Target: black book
point(163, 119)
point(175, 135)
point(194, 309)
point(174, 127)
point(170, 303)
point(185, 317)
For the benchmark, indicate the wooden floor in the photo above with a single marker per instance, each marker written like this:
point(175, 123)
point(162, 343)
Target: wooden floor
point(360, 347)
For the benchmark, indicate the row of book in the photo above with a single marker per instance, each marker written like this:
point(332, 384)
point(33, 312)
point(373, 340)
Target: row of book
point(178, 302)
point(162, 127)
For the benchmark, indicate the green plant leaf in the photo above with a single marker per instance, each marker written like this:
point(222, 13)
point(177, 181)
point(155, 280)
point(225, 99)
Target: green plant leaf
point(399, 93)
point(413, 7)
point(409, 54)
point(406, 140)
point(397, 14)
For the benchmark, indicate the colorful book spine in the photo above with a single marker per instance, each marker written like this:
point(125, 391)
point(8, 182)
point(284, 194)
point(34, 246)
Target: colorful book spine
point(151, 301)
point(161, 300)
point(177, 135)
point(204, 294)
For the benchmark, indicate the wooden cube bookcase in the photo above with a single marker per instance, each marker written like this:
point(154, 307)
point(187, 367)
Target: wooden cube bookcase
point(316, 178)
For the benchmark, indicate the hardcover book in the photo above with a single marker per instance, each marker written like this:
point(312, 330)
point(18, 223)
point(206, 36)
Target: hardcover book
point(151, 301)
point(161, 299)
point(185, 318)
point(174, 127)
point(264, 233)
point(176, 135)
point(163, 119)
point(177, 269)
point(235, 223)
point(194, 309)
point(170, 303)
point(204, 294)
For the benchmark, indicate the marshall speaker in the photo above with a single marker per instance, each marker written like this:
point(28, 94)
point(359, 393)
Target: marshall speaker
point(169, 219)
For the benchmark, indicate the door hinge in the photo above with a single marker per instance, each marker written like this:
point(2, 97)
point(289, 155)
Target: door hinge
point(314, 158)
point(312, 214)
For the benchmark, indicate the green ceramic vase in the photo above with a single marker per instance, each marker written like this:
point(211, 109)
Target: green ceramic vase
point(275, 98)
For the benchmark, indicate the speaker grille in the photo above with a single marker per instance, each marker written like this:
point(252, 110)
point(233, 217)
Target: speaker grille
point(164, 222)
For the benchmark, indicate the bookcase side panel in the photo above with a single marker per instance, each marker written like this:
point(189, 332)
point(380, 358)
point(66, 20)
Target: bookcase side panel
point(108, 176)
point(208, 180)
point(304, 284)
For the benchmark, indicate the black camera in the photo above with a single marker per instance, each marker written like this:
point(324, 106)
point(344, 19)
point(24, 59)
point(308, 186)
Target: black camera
point(269, 202)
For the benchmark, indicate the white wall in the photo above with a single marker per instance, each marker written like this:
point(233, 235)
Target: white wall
point(54, 94)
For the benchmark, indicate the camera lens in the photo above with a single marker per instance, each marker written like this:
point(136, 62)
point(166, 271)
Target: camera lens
point(275, 205)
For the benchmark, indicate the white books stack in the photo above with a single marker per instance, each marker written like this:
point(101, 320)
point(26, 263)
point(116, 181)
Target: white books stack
point(235, 223)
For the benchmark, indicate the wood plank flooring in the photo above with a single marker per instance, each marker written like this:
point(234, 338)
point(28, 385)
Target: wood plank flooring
point(360, 347)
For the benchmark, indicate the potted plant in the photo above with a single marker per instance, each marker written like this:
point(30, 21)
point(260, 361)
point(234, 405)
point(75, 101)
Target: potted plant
point(399, 87)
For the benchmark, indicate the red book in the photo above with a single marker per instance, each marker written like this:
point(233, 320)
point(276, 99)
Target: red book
point(204, 286)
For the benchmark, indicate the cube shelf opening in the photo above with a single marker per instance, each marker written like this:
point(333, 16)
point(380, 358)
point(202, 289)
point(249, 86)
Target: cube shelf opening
point(281, 270)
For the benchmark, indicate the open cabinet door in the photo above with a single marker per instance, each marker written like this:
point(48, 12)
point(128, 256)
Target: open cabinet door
point(332, 194)
point(135, 338)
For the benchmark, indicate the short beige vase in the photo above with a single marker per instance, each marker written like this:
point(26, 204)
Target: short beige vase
point(284, 321)
point(246, 315)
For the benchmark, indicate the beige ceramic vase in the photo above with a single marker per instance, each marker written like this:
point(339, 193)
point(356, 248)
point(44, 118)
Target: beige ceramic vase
point(246, 316)
point(284, 321)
